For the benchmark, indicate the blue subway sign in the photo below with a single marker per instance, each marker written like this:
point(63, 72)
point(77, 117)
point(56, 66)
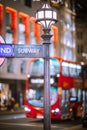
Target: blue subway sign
point(21, 51)
point(6, 50)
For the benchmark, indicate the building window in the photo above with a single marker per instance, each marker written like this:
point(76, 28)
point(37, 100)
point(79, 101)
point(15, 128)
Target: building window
point(9, 31)
point(10, 66)
point(23, 66)
point(80, 49)
point(79, 35)
point(28, 3)
point(21, 38)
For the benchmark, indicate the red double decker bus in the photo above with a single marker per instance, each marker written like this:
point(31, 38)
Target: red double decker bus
point(65, 89)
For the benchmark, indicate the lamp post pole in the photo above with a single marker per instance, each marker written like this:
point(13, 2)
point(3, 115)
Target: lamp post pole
point(46, 42)
point(46, 16)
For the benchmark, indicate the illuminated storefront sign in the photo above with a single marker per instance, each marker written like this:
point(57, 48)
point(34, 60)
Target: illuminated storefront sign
point(1, 19)
point(55, 35)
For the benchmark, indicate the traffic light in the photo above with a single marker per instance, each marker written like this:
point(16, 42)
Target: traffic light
point(28, 3)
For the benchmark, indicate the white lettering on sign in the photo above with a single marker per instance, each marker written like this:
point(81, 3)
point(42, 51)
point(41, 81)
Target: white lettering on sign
point(27, 50)
point(31, 51)
point(37, 81)
point(5, 50)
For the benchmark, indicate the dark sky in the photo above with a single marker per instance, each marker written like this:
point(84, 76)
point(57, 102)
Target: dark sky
point(81, 8)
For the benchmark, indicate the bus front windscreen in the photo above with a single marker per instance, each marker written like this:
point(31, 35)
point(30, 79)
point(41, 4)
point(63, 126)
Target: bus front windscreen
point(35, 96)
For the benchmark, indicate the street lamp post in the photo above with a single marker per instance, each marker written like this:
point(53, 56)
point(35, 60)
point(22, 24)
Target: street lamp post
point(46, 16)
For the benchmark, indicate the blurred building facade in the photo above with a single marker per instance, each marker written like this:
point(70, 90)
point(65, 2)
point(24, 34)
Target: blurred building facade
point(17, 26)
point(81, 40)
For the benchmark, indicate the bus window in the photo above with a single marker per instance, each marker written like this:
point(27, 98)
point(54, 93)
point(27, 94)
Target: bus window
point(65, 96)
point(65, 68)
point(37, 67)
point(53, 94)
point(77, 93)
point(65, 101)
point(72, 69)
point(35, 96)
point(78, 70)
point(73, 92)
point(54, 66)
point(85, 100)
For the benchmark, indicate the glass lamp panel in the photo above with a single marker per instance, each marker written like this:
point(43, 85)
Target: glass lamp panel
point(48, 14)
point(54, 15)
point(41, 15)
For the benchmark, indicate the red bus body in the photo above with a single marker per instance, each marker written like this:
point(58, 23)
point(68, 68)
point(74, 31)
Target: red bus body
point(65, 90)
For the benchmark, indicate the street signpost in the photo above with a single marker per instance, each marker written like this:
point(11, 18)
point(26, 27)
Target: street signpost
point(40, 51)
point(21, 51)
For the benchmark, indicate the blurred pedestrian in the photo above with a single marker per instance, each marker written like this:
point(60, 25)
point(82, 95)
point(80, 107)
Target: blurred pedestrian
point(8, 104)
point(12, 101)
